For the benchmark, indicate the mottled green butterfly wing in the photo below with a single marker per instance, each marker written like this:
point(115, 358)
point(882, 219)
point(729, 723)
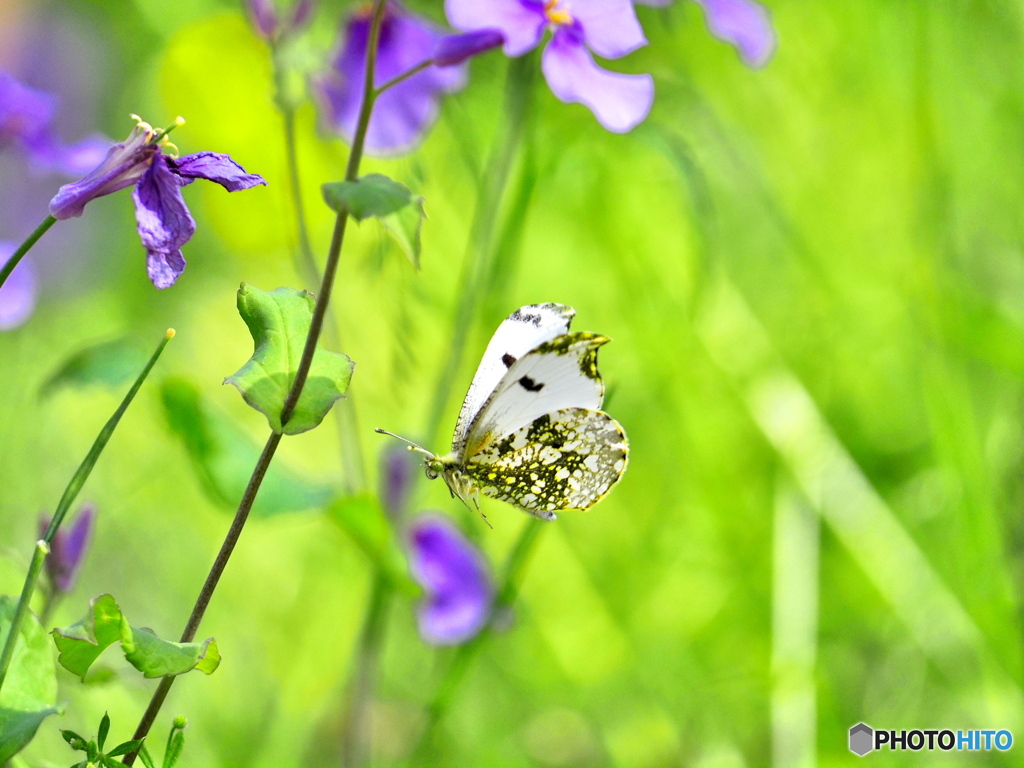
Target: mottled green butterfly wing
point(567, 459)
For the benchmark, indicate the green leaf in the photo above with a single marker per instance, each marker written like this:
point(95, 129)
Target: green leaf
point(279, 323)
point(30, 689)
point(109, 364)
point(393, 204)
point(145, 757)
point(158, 658)
point(125, 748)
point(223, 456)
point(363, 519)
point(101, 737)
point(81, 644)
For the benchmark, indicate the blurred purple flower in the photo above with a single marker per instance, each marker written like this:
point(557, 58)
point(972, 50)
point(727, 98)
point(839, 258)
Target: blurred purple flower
point(456, 580)
point(263, 17)
point(744, 24)
point(164, 221)
point(26, 117)
point(608, 28)
point(68, 548)
point(18, 294)
point(267, 23)
point(403, 113)
point(397, 472)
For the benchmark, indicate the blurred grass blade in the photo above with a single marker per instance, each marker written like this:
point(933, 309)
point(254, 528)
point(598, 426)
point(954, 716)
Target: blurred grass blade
point(109, 364)
point(222, 455)
point(794, 630)
point(843, 496)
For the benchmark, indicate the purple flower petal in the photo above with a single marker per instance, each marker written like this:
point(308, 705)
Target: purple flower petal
point(301, 14)
point(124, 164)
point(164, 267)
point(164, 221)
point(454, 577)
point(403, 113)
point(522, 22)
point(610, 27)
point(24, 112)
point(745, 25)
point(263, 17)
point(46, 152)
point(18, 294)
point(398, 470)
point(620, 102)
point(68, 548)
point(455, 49)
point(216, 167)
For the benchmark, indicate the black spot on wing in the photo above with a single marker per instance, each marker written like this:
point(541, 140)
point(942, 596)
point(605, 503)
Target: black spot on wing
point(526, 317)
point(507, 359)
point(530, 385)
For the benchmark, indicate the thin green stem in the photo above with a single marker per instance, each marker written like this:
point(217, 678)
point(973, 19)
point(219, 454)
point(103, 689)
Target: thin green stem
point(66, 500)
point(16, 257)
point(34, 569)
point(403, 77)
point(353, 465)
point(302, 372)
point(478, 266)
point(515, 570)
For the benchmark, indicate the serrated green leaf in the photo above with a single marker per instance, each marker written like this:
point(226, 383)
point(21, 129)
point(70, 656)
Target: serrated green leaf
point(393, 204)
point(223, 456)
point(154, 657)
point(109, 364)
point(30, 688)
point(81, 644)
point(279, 323)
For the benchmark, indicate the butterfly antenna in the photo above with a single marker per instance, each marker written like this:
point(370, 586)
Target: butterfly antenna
point(412, 446)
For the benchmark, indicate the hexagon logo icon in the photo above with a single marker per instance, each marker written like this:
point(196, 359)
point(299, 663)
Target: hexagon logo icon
point(862, 739)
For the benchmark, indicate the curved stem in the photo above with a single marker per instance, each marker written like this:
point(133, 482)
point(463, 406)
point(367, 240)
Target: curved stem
point(16, 257)
point(302, 372)
point(403, 77)
point(70, 493)
point(515, 570)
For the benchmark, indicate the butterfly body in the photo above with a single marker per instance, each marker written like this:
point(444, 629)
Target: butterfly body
point(531, 431)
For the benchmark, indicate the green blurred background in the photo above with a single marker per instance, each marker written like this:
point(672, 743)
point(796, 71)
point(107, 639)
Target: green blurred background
point(814, 279)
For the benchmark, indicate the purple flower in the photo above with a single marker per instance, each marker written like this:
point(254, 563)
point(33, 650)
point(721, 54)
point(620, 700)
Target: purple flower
point(164, 221)
point(265, 19)
point(18, 294)
point(744, 24)
point(403, 113)
point(68, 548)
point(397, 472)
point(608, 28)
point(26, 117)
point(455, 578)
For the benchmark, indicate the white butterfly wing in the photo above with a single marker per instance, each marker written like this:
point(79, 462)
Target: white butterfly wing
point(518, 334)
point(557, 374)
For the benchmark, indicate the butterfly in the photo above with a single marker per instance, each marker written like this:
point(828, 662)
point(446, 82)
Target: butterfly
point(531, 432)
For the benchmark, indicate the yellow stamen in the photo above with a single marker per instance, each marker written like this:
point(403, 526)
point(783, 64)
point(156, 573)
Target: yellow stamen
point(172, 148)
point(555, 14)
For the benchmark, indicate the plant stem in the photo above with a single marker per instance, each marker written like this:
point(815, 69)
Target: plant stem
point(66, 500)
point(478, 266)
point(515, 570)
point(353, 465)
point(34, 569)
point(403, 77)
point(365, 664)
point(6, 269)
point(302, 372)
